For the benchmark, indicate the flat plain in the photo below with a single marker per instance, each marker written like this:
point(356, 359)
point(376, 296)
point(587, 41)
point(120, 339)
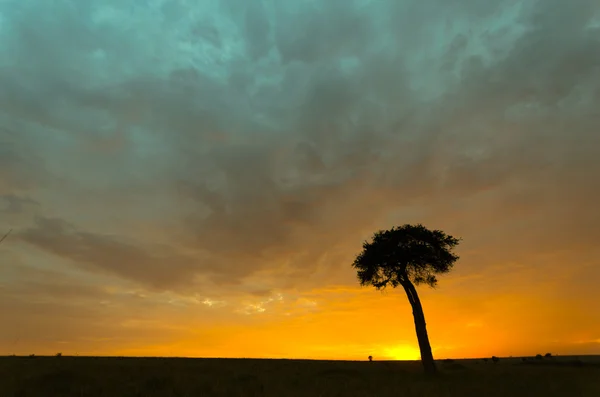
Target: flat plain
point(199, 377)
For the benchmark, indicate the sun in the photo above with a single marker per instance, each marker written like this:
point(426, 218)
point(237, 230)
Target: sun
point(402, 352)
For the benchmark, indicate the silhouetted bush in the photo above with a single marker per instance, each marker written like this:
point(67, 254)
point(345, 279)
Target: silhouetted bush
point(548, 355)
point(58, 354)
point(370, 358)
point(32, 356)
point(538, 357)
point(495, 359)
point(448, 360)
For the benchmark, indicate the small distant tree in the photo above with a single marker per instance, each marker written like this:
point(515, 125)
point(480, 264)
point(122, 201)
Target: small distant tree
point(495, 359)
point(58, 354)
point(539, 357)
point(370, 358)
point(548, 355)
point(407, 256)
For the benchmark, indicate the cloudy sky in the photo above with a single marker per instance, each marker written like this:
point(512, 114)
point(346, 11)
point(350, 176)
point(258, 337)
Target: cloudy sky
point(194, 178)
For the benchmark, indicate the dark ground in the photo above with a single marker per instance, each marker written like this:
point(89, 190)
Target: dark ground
point(170, 377)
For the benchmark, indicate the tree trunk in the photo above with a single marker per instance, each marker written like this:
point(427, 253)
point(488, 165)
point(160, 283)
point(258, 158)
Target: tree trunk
point(421, 329)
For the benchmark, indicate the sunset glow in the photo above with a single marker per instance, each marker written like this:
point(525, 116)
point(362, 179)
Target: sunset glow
point(195, 178)
point(402, 352)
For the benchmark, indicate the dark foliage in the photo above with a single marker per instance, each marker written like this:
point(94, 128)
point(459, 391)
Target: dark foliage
point(407, 253)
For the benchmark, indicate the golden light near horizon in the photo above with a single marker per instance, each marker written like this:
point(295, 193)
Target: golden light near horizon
point(137, 230)
point(402, 352)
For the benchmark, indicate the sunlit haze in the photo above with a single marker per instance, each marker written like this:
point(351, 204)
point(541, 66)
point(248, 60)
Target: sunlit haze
point(195, 178)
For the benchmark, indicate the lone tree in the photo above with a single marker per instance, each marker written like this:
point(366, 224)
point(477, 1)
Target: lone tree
point(408, 255)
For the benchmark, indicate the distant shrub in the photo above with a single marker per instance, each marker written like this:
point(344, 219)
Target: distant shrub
point(448, 360)
point(538, 357)
point(548, 355)
point(58, 354)
point(32, 356)
point(495, 359)
point(370, 358)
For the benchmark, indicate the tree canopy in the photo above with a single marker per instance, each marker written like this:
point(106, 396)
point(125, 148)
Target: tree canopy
point(406, 253)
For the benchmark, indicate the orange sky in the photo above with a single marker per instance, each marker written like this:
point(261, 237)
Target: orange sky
point(200, 188)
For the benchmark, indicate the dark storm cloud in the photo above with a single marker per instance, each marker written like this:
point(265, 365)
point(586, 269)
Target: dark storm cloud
point(265, 136)
point(14, 204)
point(96, 252)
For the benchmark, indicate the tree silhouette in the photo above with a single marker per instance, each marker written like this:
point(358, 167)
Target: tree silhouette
point(408, 255)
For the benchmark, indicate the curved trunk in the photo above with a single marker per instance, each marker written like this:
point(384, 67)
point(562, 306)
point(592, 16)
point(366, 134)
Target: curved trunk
point(420, 328)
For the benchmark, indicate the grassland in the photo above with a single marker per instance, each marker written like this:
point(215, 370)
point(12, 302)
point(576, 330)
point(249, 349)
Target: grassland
point(170, 377)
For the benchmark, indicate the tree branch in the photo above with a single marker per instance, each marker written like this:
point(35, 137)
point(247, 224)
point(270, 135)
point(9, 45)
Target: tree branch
point(5, 236)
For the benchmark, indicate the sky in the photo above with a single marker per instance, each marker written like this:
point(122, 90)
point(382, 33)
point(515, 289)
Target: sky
point(195, 178)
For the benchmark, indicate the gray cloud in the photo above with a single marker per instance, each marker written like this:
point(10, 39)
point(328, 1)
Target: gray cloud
point(96, 251)
point(267, 136)
point(14, 204)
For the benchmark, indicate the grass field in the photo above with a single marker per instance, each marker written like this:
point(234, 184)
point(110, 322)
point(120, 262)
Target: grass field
point(136, 377)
